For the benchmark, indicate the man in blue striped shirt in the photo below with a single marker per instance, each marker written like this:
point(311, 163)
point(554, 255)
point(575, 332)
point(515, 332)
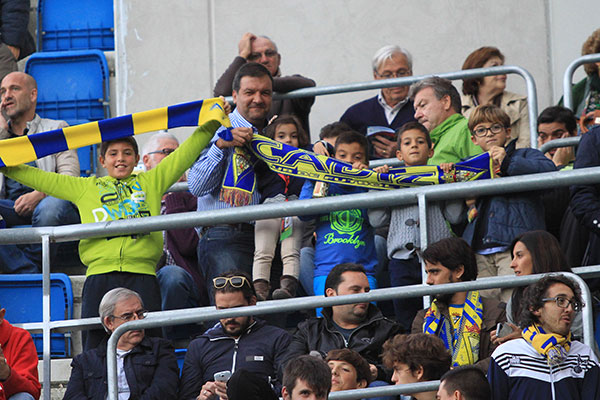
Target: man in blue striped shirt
point(230, 246)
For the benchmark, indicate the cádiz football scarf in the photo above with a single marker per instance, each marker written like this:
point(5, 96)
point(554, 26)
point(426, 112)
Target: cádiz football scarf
point(553, 346)
point(28, 148)
point(464, 342)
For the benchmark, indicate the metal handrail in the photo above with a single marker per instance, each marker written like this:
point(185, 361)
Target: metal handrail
point(409, 80)
point(65, 233)
point(568, 77)
point(278, 306)
point(556, 143)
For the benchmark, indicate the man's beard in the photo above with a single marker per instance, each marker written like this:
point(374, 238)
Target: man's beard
point(445, 297)
point(235, 328)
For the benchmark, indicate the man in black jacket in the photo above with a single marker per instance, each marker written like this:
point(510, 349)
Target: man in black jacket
point(360, 327)
point(146, 366)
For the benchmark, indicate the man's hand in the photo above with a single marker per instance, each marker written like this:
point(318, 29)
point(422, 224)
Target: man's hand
point(26, 203)
point(245, 45)
point(221, 389)
point(14, 50)
point(226, 105)
point(497, 154)
point(241, 137)
point(515, 334)
point(373, 369)
point(209, 389)
point(4, 367)
point(384, 148)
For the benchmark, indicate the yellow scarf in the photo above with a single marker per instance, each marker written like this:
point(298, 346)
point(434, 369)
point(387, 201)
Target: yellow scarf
point(553, 346)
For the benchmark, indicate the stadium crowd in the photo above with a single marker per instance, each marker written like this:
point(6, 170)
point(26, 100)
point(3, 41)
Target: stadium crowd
point(500, 344)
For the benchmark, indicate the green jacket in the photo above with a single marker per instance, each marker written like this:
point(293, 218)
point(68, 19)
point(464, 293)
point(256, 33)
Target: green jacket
point(108, 199)
point(452, 141)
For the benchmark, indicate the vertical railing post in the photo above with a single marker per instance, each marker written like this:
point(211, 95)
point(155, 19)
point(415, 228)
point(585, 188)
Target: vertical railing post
point(422, 202)
point(46, 314)
point(568, 78)
point(588, 316)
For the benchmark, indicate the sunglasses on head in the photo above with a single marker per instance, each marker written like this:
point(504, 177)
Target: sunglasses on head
point(235, 281)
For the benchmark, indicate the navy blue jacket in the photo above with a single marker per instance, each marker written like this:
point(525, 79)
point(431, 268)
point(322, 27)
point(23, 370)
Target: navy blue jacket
point(585, 199)
point(501, 218)
point(259, 350)
point(151, 370)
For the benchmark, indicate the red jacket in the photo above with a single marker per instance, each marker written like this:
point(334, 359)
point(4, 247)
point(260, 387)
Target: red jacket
point(21, 356)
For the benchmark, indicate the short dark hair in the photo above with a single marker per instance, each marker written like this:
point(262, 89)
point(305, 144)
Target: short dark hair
point(418, 350)
point(413, 126)
point(349, 137)
point(441, 87)
point(334, 129)
point(532, 298)
point(363, 371)
point(247, 288)
point(561, 115)
point(303, 138)
point(252, 69)
point(469, 380)
point(129, 140)
point(476, 60)
point(334, 278)
point(312, 370)
point(453, 253)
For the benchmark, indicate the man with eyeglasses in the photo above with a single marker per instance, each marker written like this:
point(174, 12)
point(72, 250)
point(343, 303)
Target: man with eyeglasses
point(146, 366)
point(379, 117)
point(233, 344)
point(262, 50)
point(546, 363)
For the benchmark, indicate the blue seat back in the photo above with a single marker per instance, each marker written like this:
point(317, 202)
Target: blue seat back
point(75, 25)
point(180, 354)
point(72, 85)
point(21, 295)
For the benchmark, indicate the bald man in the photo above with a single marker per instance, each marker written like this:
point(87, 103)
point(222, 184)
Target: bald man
point(19, 204)
point(262, 50)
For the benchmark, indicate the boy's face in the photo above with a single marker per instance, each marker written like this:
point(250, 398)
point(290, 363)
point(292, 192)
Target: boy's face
point(119, 160)
point(413, 148)
point(351, 153)
point(487, 139)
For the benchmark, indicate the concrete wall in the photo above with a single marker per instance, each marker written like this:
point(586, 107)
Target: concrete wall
point(172, 51)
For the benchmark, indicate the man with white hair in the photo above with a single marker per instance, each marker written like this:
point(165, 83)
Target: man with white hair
point(379, 116)
point(146, 366)
point(180, 279)
point(262, 50)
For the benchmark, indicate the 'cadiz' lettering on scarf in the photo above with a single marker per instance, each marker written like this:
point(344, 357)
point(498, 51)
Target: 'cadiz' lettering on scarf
point(330, 238)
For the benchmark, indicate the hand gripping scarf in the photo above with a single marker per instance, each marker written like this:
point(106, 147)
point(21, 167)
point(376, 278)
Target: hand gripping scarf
point(464, 342)
point(28, 148)
point(553, 346)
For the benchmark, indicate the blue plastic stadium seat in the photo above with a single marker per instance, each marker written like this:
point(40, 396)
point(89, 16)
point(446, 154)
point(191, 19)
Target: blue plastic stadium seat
point(72, 85)
point(21, 295)
point(75, 25)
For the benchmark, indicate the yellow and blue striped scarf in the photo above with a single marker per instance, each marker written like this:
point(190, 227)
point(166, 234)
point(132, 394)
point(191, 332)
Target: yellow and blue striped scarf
point(464, 342)
point(553, 346)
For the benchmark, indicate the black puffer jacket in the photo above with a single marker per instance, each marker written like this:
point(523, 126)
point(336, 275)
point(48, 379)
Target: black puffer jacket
point(320, 334)
point(14, 19)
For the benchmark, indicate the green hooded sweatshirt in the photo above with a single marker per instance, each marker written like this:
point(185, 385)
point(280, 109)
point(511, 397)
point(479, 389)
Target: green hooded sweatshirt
point(452, 141)
point(108, 199)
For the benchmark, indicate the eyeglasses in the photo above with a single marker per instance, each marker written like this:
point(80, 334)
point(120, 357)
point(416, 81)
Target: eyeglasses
point(563, 302)
point(398, 74)
point(140, 314)
point(235, 281)
point(482, 131)
point(256, 56)
point(166, 152)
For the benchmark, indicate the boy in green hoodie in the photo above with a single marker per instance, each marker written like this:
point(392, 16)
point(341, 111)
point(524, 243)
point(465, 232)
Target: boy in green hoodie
point(126, 260)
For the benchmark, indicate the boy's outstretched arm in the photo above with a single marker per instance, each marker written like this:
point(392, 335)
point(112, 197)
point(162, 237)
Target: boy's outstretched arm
point(61, 186)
